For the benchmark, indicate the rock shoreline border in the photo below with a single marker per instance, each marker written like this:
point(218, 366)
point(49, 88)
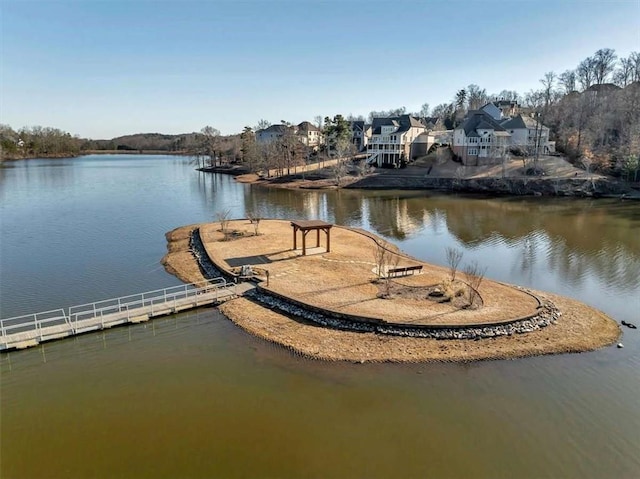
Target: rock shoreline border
point(547, 314)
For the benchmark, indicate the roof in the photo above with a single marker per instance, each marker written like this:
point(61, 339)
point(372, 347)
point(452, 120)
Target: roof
point(307, 126)
point(275, 129)
point(402, 122)
point(484, 125)
point(520, 122)
point(479, 119)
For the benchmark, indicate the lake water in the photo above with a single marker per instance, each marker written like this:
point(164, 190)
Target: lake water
point(193, 396)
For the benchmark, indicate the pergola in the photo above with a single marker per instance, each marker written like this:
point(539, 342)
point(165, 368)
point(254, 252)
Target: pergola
point(310, 225)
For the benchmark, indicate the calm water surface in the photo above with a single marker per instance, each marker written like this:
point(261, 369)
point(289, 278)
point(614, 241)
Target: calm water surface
point(193, 396)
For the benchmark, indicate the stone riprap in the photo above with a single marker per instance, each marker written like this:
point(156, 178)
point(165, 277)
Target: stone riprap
point(547, 314)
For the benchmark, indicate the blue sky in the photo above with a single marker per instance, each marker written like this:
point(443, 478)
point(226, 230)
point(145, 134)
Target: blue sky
point(103, 68)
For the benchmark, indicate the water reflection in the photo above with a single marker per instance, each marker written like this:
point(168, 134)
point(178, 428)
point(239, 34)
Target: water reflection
point(536, 237)
point(163, 328)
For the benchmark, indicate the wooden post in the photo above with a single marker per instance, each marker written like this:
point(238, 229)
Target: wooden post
point(328, 231)
point(295, 238)
point(304, 242)
point(317, 238)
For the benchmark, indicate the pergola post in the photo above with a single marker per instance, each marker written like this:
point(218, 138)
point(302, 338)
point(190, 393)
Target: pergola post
point(295, 236)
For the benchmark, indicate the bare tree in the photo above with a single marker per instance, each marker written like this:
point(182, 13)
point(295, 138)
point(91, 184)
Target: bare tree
point(473, 275)
point(254, 219)
point(605, 60)
point(381, 258)
point(536, 100)
point(622, 76)
point(568, 81)
point(363, 168)
point(424, 110)
point(635, 61)
point(223, 219)
point(476, 97)
point(510, 95)
point(586, 72)
point(454, 256)
point(385, 260)
point(262, 125)
point(210, 143)
point(339, 170)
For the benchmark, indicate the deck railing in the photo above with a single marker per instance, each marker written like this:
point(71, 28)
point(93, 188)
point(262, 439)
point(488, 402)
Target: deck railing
point(110, 311)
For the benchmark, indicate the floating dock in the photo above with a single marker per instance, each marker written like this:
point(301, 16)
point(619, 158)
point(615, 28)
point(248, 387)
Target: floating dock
point(32, 329)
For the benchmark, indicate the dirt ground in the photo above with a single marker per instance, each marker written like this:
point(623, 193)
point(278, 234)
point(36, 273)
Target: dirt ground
point(342, 281)
point(554, 167)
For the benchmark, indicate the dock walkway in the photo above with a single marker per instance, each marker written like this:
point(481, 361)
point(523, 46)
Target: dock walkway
point(29, 330)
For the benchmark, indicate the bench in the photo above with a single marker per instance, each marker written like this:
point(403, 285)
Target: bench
point(404, 270)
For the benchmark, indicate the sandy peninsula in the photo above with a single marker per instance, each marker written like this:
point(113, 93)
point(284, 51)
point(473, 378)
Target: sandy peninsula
point(363, 316)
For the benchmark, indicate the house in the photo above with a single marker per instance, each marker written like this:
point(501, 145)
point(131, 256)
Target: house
point(360, 134)
point(432, 123)
point(528, 134)
point(480, 139)
point(508, 108)
point(501, 109)
point(309, 134)
point(392, 139)
point(493, 110)
point(271, 134)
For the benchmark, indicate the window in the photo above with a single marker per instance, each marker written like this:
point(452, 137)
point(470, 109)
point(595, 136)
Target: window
point(472, 151)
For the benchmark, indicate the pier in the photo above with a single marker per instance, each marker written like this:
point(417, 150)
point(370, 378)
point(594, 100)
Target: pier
point(32, 329)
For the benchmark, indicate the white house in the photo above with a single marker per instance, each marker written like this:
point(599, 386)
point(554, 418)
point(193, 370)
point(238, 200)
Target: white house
point(392, 140)
point(309, 134)
point(480, 139)
point(272, 133)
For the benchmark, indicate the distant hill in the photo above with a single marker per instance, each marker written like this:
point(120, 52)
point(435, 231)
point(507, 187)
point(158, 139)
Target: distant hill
point(146, 142)
point(46, 142)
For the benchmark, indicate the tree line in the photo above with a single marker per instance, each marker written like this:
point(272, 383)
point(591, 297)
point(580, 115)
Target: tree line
point(37, 141)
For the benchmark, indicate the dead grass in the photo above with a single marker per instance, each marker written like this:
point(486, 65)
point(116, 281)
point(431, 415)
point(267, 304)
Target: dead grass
point(179, 260)
point(343, 280)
